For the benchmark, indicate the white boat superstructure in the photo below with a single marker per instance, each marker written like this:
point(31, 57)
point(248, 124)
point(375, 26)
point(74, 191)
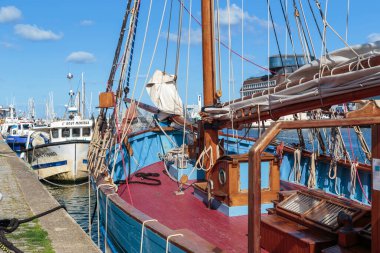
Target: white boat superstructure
point(65, 157)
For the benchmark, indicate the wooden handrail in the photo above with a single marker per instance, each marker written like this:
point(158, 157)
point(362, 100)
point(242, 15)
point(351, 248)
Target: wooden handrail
point(254, 168)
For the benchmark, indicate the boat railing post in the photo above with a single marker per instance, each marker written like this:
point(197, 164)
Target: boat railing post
point(375, 212)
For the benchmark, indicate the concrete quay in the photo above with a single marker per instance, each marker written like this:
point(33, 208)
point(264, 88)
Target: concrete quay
point(22, 196)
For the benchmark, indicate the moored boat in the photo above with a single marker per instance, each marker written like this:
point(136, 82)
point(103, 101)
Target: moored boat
point(64, 158)
point(180, 187)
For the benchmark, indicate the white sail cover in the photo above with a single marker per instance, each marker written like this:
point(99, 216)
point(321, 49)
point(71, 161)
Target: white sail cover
point(162, 90)
point(316, 88)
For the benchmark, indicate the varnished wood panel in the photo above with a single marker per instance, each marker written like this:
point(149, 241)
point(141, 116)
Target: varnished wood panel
point(375, 220)
point(279, 235)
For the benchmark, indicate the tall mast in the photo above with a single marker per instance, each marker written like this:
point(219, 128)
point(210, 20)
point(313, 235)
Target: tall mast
point(209, 91)
point(83, 98)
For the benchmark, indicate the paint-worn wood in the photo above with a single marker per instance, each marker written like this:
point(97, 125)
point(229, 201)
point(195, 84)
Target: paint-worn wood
point(375, 217)
point(209, 94)
point(370, 109)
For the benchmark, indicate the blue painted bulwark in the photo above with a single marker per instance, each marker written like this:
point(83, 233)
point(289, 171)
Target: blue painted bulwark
point(343, 180)
point(152, 143)
point(124, 232)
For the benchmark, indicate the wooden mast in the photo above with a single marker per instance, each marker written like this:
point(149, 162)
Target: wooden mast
point(209, 91)
point(375, 212)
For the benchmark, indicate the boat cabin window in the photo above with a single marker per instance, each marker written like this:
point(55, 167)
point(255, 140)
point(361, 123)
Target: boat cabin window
point(65, 132)
point(75, 132)
point(55, 133)
point(25, 126)
point(86, 131)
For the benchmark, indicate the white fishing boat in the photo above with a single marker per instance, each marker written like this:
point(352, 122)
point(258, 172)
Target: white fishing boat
point(64, 159)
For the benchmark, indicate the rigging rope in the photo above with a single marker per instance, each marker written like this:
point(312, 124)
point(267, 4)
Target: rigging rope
point(275, 34)
point(347, 17)
point(315, 20)
point(307, 29)
point(300, 33)
point(179, 36)
point(229, 48)
point(242, 42)
point(336, 150)
point(136, 19)
point(363, 143)
point(142, 49)
point(296, 170)
point(289, 31)
point(168, 35)
point(8, 226)
point(218, 40)
point(311, 183)
point(187, 81)
point(128, 125)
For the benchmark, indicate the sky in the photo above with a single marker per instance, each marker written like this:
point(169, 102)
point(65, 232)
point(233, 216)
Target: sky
point(41, 41)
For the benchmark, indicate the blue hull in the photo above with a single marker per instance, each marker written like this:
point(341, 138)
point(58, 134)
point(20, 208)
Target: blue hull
point(121, 223)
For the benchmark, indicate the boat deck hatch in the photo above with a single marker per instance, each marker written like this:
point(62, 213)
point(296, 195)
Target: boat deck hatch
point(299, 203)
point(326, 214)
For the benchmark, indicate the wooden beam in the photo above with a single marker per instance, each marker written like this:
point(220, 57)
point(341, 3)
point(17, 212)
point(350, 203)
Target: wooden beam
point(146, 107)
point(303, 106)
point(375, 215)
point(254, 187)
point(254, 172)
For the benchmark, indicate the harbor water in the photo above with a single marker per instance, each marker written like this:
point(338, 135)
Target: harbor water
point(76, 200)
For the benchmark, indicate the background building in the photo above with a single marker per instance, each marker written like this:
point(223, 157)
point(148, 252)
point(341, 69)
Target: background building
point(278, 67)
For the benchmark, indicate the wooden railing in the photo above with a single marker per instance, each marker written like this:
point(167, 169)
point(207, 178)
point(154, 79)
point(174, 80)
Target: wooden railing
point(254, 172)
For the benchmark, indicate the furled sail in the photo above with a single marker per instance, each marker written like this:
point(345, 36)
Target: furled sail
point(162, 90)
point(339, 73)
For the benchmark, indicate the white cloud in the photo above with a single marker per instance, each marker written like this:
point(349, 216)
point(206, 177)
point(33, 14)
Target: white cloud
point(373, 37)
point(7, 44)
point(86, 22)
point(9, 13)
point(195, 36)
point(236, 16)
point(32, 32)
point(81, 57)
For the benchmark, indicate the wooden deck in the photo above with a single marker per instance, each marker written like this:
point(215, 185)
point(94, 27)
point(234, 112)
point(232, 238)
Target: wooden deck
point(187, 212)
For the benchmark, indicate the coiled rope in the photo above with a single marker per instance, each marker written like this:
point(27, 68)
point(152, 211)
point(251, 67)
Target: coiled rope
point(8, 226)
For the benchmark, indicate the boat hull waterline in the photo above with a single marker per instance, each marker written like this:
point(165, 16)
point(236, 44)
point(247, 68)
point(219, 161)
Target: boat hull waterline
point(60, 162)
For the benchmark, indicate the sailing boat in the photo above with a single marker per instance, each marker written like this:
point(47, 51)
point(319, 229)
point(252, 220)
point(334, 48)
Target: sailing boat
point(163, 190)
point(63, 159)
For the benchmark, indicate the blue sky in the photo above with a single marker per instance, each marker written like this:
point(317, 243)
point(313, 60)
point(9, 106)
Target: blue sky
point(42, 40)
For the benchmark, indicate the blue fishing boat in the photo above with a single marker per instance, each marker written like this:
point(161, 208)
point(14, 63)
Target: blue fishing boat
point(164, 183)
